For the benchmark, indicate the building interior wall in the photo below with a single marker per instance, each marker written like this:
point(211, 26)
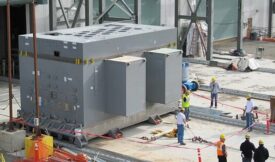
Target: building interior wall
point(18, 26)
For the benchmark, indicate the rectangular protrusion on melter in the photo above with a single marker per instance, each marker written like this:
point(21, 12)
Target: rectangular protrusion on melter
point(125, 81)
point(163, 75)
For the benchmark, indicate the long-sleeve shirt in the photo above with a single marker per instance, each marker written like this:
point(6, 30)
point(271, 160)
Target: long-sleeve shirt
point(261, 154)
point(247, 148)
point(214, 87)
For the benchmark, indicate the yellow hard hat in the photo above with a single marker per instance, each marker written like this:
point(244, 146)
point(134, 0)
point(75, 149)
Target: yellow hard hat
point(248, 96)
point(222, 136)
point(213, 78)
point(261, 142)
point(247, 136)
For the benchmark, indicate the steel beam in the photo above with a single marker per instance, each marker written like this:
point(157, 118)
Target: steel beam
point(88, 12)
point(52, 15)
point(134, 15)
point(102, 5)
point(270, 18)
point(77, 13)
point(137, 11)
point(36, 81)
point(14, 2)
point(11, 127)
point(125, 9)
point(64, 14)
point(177, 20)
point(210, 22)
point(104, 12)
point(240, 28)
point(116, 19)
point(193, 19)
point(199, 18)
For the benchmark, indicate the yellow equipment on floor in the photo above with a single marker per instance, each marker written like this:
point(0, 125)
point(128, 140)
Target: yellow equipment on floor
point(38, 147)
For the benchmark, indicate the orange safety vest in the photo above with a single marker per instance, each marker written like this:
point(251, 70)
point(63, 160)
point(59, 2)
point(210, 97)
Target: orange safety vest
point(219, 148)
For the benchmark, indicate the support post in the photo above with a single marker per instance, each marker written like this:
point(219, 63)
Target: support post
point(101, 4)
point(77, 13)
point(240, 50)
point(177, 21)
point(270, 18)
point(52, 15)
point(210, 22)
point(137, 11)
point(36, 85)
point(64, 14)
point(88, 12)
point(11, 127)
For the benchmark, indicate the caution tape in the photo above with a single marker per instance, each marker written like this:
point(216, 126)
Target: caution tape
point(235, 107)
point(208, 143)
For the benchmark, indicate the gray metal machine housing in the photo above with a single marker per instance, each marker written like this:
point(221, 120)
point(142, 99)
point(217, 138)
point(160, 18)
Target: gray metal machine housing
point(79, 77)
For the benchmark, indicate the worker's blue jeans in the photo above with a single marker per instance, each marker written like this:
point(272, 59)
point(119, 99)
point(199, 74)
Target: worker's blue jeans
point(180, 133)
point(246, 159)
point(214, 96)
point(248, 120)
point(186, 112)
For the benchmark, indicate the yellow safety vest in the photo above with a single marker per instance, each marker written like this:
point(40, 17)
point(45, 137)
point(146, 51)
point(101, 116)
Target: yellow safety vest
point(187, 103)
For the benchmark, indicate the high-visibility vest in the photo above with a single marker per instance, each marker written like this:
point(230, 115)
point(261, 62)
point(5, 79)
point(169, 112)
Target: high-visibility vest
point(185, 104)
point(219, 148)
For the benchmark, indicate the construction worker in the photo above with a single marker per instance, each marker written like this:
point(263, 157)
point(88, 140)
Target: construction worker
point(186, 104)
point(248, 112)
point(215, 88)
point(261, 153)
point(247, 149)
point(181, 120)
point(221, 149)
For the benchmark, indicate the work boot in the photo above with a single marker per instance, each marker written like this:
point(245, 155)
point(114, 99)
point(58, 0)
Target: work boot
point(183, 143)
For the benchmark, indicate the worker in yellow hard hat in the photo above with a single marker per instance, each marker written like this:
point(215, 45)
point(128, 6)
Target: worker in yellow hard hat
point(261, 153)
point(248, 112)
point(213, 79)
point(248, 96)
point(186, 104)
point(214, 88)
point(221, 149)
point(181, 121)
point(247, 149)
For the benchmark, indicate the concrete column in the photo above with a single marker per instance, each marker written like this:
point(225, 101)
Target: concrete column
point(52, 15)
point(270, 18)
point(240, 29)
point(210, 22)
point(137, 11)
point(88, 12)
point(177, 21)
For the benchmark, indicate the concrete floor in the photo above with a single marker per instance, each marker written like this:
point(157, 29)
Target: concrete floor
point(249, 46)
point(226, 101)
point(167, 149)
point(258, 82)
